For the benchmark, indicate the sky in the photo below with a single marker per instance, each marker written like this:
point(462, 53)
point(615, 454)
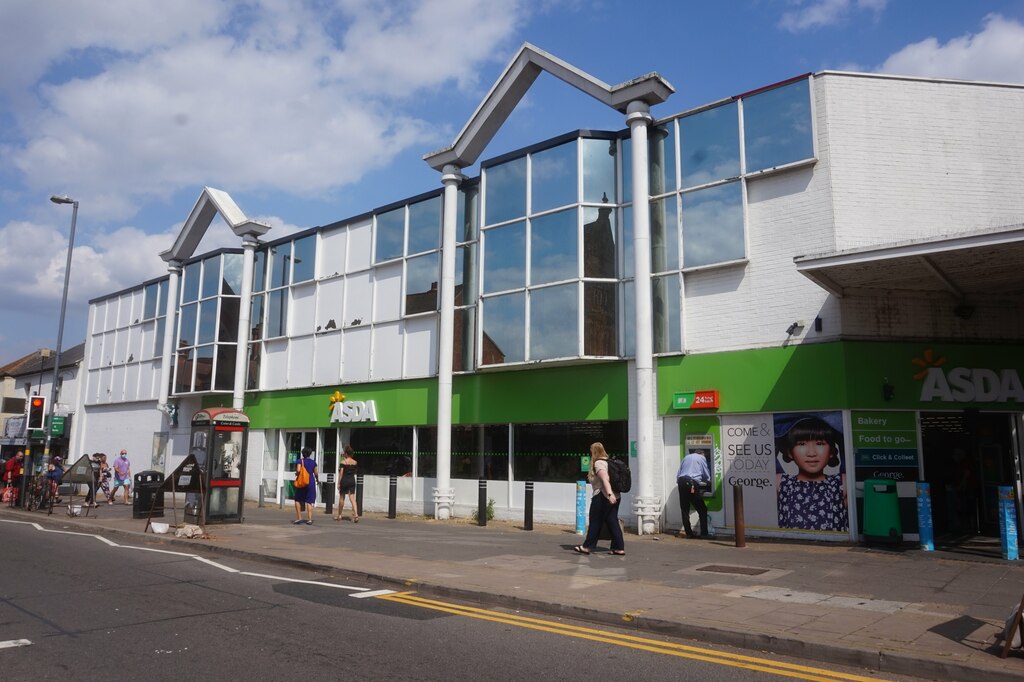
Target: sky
point(308, 112)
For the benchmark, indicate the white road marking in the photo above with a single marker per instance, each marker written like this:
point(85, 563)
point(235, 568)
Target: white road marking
point(11, 643)
point(374, 593)
point(305, 582)
point(216, 565)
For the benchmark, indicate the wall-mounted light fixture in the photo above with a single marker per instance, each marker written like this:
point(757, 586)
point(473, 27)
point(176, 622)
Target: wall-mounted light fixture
point(795, 328)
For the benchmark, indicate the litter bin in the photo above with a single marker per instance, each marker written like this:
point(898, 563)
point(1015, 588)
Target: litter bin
point(146, 495)
point(882, 512)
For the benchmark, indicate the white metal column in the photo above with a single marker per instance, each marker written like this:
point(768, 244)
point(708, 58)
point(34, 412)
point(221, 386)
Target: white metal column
point(170, 328)
point(444, 495)
point(244, 316)
point(646, 505)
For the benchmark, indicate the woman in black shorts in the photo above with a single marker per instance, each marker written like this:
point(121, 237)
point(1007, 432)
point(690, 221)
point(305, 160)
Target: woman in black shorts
point(348, 468)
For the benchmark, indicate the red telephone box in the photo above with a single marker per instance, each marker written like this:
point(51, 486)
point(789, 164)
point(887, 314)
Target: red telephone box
point(220, 441)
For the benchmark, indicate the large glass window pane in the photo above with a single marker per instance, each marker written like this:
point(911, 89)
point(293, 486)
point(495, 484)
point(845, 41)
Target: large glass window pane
point(713, 225)
point(225, 380)
point(554, 331)
point(187, 337)
point(280, 260)
point(150, 307)
point(600, 304)
point(553, 248)
point(227, 330)
point(777, 126)
point(504, 328)
point(277, 313)
point(422, 274)
point(505, 258)
point(551, 452)
point(664, 235)
point(211, 277)
point(505, 194)
point(661, 145)
point(383, 451)
point(466, 263)
point(208, 321)
point(709, 144)
point(480, 452)
point(468, 219)
point(554, 178)
point(599, 170)
point(627, 242)
point(665, 306)
point(304, 259)
point(628, 319)
point(627, 170)
point(426, 451)
point(232, 284)
point(190, 282)
point(162, 305)
point(390, 235)
point(259, 271)
point(183, 370)
point(599, 242)
point(252, 379)
point(425, 225)
point(158, 337)
point(256, 318)
point(465, 341)
point(204, 368)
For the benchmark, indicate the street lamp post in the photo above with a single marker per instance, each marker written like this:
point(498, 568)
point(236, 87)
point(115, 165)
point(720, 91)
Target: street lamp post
point(59, 199)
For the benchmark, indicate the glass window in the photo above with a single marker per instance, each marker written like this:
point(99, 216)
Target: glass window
point(211, 277)
point(599, 242)
point(425, 225)
point(158, 338)
point(390, 235)
point(426, 451)
point(710, 145)
point(627, 170)
point(383, 451)
point(259, 271)
point(664, 235)
point(505, 258)
point(552, 452)
point(628, 262)
point(600, 303)
point(208, 321)
point(422, 275)
point(232, 283)
point(553, 249)
point(480, 452)
point(162, 288)
point(465, 335)
point(504, 328)
point(225, 380)
point(188, 325)
point(554, 332)
point(777, 126)
point(599, 170)
point(256, 318)
point(277, 313)
point(554, 178)
point(190, 282)
point(468, 213)
point(628, 319)
point(183, 370)
point(661, 145)
point(227, 330)
point(252, 381)
point(665, 308)
point(150, 307)
point(713, 225)
point(204, 368)
point(280, 258)
point(465, 274)
point(505, 194)
point(304, 259)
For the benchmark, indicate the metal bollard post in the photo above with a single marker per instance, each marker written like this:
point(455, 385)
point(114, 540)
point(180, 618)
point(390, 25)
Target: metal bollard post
point(261, 495)
point(392, 496)
point(737, 508)
point(481, 511)
point(328, 494)
point(359, 494)
point(528, 504)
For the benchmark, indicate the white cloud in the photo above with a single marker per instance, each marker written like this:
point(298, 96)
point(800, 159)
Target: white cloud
point(996, 53)
point(820, 13)
point(280, 94)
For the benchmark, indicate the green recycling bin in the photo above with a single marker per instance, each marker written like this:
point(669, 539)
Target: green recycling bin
point(882, 512)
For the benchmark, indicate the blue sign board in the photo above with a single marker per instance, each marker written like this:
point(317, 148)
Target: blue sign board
point(581, 507)
point(924, 517)
point(1008, 522)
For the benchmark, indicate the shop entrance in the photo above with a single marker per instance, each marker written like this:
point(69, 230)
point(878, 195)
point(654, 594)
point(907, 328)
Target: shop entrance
point(967, 456)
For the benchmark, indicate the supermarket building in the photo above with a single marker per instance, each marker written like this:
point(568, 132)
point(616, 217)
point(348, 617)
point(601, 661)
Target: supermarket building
point(836, 255)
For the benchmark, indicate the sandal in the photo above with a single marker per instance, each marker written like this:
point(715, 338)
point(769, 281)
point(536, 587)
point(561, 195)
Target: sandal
point(355, 520)
point(580, 549)
point(619, 552)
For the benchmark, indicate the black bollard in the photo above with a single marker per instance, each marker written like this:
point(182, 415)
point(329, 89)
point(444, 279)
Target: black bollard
point(481, 514)
point(528, 507)
point(359, 494)
point(328, 494)
point(737, 508)
point(392, 497)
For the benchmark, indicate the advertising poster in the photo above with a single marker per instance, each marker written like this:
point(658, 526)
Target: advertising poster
point(885, 445)
point(792, 469)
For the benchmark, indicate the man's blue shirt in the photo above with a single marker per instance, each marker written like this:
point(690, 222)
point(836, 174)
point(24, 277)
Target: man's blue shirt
point(694, 466)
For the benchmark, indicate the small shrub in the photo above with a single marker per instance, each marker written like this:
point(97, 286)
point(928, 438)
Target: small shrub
point(489, 511)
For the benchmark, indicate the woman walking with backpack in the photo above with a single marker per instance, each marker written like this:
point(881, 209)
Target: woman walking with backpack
point(604, 505)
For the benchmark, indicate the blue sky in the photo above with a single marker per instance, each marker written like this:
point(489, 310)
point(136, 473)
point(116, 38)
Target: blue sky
point(309, 112)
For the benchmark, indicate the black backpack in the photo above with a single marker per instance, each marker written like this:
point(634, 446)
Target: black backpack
point(619, 476)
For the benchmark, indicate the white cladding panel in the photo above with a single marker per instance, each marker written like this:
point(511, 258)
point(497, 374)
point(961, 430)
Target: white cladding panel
point(275, 364)
point(360, 243)
point(131, 382)
point(300, 362)
point(302, 311)
point(149, 380)
point(387, 351)
point(327, 370)
point(358, 295)
point(355, 365)
point(124, 310)
point(388, 297)
point(333, 251)
point(421, 346)
point(330, 303)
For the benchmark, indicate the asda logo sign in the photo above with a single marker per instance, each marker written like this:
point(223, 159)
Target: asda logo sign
point(971, 385)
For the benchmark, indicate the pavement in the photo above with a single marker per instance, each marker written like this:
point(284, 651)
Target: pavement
point(934, 615)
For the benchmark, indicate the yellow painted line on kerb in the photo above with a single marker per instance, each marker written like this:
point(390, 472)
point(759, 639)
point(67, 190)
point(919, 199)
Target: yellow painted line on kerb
point(631, 641)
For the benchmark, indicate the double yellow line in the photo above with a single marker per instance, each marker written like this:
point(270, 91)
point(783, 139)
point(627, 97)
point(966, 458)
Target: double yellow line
point(630, 641)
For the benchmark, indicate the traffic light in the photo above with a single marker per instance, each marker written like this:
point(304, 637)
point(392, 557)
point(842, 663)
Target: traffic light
point(37, 412)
